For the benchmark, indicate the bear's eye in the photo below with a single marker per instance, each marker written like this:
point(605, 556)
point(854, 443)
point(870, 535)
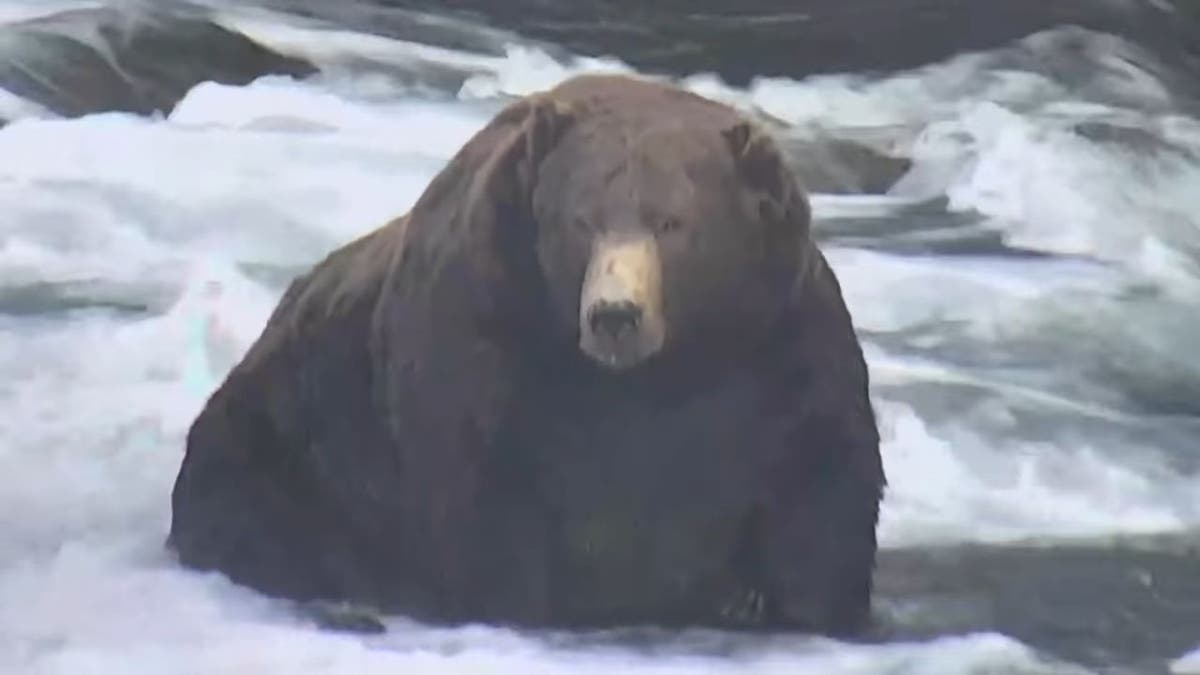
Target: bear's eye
point(669, 224)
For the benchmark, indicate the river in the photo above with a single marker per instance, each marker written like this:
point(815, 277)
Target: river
point(1013, 210)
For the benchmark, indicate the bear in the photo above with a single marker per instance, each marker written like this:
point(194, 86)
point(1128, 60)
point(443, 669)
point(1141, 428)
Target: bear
point(599, 374)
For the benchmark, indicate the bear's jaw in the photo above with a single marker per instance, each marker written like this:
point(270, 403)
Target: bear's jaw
point(620, 310)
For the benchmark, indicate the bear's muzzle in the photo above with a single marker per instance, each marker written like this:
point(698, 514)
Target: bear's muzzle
point(620, 311)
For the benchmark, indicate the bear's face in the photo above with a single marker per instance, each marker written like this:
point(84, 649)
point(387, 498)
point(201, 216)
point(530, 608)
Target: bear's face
point(662, 235)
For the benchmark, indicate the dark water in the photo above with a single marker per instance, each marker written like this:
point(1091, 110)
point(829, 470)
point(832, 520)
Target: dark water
point(140, 55)
point(745, 39)
point(1117, 608)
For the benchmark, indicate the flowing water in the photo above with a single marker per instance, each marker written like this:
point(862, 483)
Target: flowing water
point(1027, 293)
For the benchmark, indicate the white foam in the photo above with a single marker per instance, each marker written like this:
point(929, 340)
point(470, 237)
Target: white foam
point(1057, 191)
point(905, 99)
point(526, 70)
point(323, 44)
point(1002, 143)
point(15, 107)
point(521, 69)
point(956, 485)
point(987, 292)
point(956, 482)
point(1188, 664)
point(121, 196)
point(281, 104)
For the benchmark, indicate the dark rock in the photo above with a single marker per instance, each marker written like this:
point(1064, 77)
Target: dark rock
point(133, 59)
point(829, 165)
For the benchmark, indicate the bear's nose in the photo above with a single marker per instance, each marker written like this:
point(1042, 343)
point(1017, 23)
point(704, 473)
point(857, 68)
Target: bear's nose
point(611, 319)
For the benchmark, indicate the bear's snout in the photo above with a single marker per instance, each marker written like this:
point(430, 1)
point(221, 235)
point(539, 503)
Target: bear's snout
point(620, 311)
point(613, 319)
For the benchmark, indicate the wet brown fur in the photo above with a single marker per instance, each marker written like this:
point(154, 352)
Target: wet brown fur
point(417, 429)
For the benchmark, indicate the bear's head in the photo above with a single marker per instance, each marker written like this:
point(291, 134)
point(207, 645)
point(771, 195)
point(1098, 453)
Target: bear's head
point(623, 218)
point(657, 229)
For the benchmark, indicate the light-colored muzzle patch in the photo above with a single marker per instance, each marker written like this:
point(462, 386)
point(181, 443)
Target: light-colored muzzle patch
point(620, 311)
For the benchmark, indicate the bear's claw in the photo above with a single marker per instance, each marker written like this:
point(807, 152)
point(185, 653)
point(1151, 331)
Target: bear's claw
point(745, 609)
point(342, 616)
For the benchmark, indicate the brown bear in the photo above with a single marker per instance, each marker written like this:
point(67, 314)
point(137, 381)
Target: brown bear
point(598, 375)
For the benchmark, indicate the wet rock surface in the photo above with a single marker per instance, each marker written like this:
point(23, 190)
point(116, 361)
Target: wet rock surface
point(138, 58)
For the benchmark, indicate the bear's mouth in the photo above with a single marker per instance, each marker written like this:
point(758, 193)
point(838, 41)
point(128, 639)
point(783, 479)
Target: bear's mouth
point(620, 317)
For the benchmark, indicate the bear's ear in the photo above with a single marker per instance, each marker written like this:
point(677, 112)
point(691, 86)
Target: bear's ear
point(546, 123)
point(757, 159)
point(502, 160)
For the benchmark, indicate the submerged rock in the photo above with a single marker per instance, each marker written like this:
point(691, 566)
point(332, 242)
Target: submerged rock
point(1132, 139)
point(45, 298)
point(828, 165)
point(136, 59)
